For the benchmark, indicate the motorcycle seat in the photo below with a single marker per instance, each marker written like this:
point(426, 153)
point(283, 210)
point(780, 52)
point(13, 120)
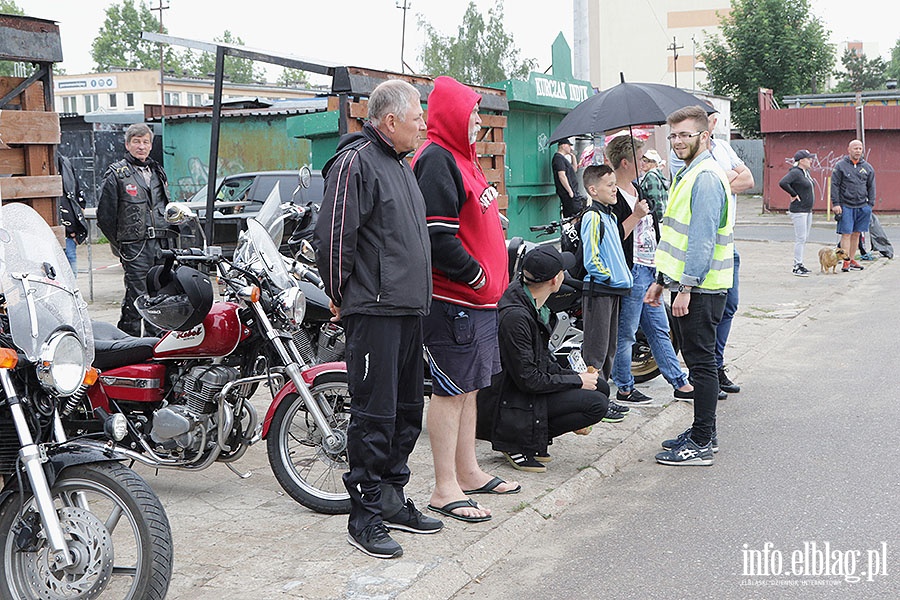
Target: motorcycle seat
point(114, 348)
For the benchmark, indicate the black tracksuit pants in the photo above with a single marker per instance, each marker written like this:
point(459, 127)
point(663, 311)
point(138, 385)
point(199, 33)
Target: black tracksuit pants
point(385, 369)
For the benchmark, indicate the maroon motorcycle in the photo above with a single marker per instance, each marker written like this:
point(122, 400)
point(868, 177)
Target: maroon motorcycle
point(183, 401)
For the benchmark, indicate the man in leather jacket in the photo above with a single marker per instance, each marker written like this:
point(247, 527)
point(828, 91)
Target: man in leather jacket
point(131, 214)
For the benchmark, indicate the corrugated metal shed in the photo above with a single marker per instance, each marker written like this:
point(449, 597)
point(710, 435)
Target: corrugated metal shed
point(825, 127)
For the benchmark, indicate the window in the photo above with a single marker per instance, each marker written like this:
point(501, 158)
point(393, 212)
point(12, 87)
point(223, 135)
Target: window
point(129, 99)
point(113, 100)
point(70, 104)
point(195, 99)
point(91, 102)
point(173, 98)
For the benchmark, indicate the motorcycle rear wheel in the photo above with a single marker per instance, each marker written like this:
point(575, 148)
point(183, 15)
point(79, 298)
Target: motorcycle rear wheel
point(308, 472)
point(114, 524)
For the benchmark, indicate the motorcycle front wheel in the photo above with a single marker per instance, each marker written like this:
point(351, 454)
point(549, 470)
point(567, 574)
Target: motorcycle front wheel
point(115, 527)
point(308, 471)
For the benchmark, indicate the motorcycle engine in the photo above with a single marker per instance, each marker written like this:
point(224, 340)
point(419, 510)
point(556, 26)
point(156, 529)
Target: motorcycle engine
point(192, 408)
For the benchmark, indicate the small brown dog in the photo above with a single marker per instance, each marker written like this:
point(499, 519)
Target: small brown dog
point(830, 257)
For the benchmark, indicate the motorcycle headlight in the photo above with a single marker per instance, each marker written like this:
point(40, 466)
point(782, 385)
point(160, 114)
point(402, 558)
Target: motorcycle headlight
point(293, 304)
point(62, 363)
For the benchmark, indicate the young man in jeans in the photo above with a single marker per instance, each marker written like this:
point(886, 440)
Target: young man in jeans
point(639, 232)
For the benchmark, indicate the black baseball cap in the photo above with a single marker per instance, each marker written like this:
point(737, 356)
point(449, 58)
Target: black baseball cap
point(801, 154)
point(544, 262)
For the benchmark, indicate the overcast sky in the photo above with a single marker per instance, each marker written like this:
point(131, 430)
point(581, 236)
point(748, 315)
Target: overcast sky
point(368, 32)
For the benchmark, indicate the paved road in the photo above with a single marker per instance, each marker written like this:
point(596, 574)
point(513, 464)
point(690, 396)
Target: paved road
point(807, 457)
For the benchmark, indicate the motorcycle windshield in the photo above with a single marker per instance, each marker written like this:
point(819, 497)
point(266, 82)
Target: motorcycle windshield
point(270, 216)
point(257, 251)
point(38, 284)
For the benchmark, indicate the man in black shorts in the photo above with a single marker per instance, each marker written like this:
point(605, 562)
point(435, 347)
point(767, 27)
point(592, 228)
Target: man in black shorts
point(469, 273)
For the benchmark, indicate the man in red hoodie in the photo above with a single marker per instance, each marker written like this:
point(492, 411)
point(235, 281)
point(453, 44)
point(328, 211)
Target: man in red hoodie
point(469, 272)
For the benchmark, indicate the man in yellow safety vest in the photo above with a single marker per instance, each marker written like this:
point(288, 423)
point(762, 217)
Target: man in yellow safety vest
point(695, 260)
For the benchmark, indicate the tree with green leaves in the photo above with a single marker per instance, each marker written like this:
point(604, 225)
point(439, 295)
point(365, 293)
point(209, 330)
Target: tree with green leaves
point(893, 69)
point(480, 53)
point(119, 43)
point(237, 70)
point(770, 44)
point(293, 78)
point(9, 7)
point(861, 74)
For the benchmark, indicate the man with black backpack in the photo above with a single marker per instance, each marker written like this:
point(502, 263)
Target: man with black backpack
point(70, 207)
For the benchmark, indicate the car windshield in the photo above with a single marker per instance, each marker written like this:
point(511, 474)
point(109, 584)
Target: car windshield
point(234, 190)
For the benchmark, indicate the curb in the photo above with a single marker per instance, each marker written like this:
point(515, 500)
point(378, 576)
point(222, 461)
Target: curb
point(456, 572)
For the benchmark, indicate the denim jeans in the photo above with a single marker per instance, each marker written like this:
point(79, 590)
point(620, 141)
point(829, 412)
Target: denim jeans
point(731, 306)
point(655, 325)
point(697, 333)
point(72, 254)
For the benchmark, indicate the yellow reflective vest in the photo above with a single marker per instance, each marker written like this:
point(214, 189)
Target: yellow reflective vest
point(676, 222)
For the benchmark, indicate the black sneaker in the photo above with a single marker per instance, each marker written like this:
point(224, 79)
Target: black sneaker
point(669, 444)
point(543, 458)
point(376, 541)
point(800, 271)
point(412, 520)
point(684, 396)
point(525, 462)
point(687, 454)
point(612, 415)
point(633, 397)
point(618, 408)
point(727, 385)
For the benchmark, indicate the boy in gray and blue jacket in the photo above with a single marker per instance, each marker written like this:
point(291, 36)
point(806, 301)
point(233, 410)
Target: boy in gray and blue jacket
point(608, 276)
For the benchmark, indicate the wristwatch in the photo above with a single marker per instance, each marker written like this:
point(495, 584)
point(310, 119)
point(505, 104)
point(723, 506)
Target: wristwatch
point(684, 288)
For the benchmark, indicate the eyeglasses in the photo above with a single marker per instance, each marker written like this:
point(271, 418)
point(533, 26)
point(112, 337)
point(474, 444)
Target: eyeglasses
point(683, 135)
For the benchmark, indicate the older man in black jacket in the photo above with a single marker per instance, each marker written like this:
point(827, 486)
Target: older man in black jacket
point(374, 257)
point(533, 399)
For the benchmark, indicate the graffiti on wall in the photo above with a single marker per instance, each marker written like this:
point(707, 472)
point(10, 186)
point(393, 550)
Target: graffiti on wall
point(821, 166)
point(198, 175)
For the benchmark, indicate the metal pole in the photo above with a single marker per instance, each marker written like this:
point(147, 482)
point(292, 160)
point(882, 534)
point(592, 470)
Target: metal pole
point(404, 8)
point(214, 142)
point(674, 47)
point(162, 74)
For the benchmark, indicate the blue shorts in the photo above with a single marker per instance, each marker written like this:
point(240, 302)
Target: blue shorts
point(854, 219)
point(461, 347)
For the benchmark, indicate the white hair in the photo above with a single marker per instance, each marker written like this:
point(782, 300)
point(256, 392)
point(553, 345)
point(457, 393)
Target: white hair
point(393, 96)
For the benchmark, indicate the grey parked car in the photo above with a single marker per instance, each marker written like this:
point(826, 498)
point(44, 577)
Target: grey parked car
point(240, 196)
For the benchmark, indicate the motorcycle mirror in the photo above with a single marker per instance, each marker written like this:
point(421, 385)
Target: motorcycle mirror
point(305, 176)
point(307, 253)
point(178, 213)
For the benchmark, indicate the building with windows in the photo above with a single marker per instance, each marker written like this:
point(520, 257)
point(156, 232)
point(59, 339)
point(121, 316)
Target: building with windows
point(118, 91)
point(657, 41)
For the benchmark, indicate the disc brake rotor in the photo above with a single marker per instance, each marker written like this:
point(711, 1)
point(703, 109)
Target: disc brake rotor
point(92, 548)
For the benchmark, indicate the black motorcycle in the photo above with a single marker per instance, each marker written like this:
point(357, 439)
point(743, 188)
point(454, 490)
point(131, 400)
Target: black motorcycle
point(567, 334)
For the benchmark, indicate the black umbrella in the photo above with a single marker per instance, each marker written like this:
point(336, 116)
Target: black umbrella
point(625, 105)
